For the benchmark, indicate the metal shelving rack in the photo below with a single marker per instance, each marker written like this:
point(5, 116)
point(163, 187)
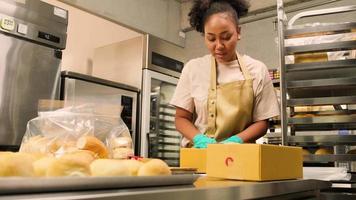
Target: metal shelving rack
point(273, 135)
point(164, 140)
point(318, 84)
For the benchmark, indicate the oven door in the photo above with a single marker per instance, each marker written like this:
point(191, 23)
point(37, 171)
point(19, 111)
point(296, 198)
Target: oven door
point(159, 138)
point(77, 92)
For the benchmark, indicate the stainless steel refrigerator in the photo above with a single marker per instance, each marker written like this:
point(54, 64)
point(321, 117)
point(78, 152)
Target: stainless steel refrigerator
point(32, 36)
point(161, 71)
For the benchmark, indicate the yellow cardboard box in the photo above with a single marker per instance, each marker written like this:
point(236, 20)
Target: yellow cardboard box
point(193, 158)
point(254, 162)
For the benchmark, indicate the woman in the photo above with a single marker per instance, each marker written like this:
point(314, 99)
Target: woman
point(230, 95)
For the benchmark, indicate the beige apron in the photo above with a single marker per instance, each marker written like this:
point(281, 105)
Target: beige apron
point(230, 105)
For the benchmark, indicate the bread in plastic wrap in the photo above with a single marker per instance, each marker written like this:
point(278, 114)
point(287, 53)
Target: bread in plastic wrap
point(78, 128)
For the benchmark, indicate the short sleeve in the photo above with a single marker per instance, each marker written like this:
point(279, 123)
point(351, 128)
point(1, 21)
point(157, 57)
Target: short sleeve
point(182, 97)
point(266, 104)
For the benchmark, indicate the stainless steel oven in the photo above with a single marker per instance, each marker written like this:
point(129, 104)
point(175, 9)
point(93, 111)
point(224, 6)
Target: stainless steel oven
point(155, 65)
point(80, 88)
point(162, 67)
point(162, 56)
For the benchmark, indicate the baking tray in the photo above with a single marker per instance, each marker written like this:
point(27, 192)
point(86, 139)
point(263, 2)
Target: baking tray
point(20, 185)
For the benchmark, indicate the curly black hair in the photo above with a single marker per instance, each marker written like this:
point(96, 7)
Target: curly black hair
point(203, 9)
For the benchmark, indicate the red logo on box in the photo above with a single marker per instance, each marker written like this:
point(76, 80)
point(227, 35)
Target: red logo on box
point(228, 161)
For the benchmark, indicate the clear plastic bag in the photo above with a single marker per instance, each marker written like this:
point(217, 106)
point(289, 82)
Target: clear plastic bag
point(326, 173)
point(57, 132)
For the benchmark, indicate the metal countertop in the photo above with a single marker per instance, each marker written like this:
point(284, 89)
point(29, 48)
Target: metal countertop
point(203, 188)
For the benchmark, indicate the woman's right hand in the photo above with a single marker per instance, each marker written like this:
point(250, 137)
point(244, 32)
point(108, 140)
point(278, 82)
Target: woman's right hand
point(201, 141)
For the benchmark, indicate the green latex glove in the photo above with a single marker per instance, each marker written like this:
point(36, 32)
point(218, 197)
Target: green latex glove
point(233, 139)
point(201, 141)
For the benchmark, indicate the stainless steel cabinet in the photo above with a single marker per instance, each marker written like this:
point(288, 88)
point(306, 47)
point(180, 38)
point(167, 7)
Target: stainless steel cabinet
point(29, 73)
point(31, 39)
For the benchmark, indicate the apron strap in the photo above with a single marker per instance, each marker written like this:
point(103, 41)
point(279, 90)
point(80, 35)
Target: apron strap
point(243, 67)
point(213, 92)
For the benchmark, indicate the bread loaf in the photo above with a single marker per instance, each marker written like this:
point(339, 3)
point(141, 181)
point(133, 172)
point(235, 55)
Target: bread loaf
point(323, 151)
point(70, 165)
point(133, 166)
point(306, 152)
point(16, 164)
point(93, 144)
point(40, 166)
point(109, 167)
point(352, 151)
point(310, 57)
point(122, 153)
point(120, 142)
point(39, 144)
point(154, 167)
point(66, 146)
point(83, 155)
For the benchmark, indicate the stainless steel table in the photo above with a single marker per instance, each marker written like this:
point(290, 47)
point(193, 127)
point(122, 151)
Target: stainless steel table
point(203, 188)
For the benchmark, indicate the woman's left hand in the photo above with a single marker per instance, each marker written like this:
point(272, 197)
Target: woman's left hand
point(233, 139)
point(201, 141)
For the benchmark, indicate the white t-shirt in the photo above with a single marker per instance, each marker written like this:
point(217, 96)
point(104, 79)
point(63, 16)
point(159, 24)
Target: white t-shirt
point(191, 93)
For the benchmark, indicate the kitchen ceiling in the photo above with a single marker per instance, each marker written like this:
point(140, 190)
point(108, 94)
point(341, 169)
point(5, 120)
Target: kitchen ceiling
point(261, 4)
point(258, 4)
point(259, 9)
point(255, 4)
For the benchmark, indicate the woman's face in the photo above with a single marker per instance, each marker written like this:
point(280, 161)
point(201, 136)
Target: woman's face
point(221, 35)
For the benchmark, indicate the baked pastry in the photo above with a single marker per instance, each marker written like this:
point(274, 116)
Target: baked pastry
point(93, 144)
point(310, 57)
point(303, 115)
point(352, 151)
point(16, 164)
point(120, 142)
point(323, 151)
point(154, 167)
point(133, 165)
point(70, 165)
point(84, 158)
point(305, 152)
point(39, 144)
point(66, 146)
point(84, 155)
point(144, 160)
point(40, 166)
point(2, 153)
point(109, 167)
point(122, 153)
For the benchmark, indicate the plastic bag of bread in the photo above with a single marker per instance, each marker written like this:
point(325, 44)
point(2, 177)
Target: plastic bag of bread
point(85, 127)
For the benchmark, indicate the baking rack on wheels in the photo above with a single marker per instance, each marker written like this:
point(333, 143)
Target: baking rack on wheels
point(318, 86)
point(164, 140)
